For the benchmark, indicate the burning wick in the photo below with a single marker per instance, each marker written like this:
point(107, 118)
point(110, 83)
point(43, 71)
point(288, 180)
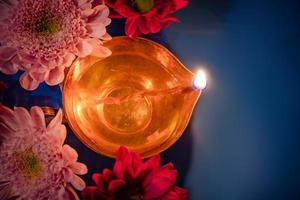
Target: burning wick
point(200, 80)
point(199, 84)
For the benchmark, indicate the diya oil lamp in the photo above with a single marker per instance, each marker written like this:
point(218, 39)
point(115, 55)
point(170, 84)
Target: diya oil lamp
point(141, 97)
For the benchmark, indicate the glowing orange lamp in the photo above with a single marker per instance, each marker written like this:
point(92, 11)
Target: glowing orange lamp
point(141, 97)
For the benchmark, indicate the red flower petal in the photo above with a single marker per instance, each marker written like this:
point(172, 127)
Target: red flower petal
point(179, 4)
point(138, 23)
point(108, 175)
point(133, 178)
point(161, 182)
point(89, 193)
point(131, 28)
point(125, 10)
point(99, 180)
point(115, 185)
point(149, 169)
point(127, 164)
point(176, 193)
point(142, 25)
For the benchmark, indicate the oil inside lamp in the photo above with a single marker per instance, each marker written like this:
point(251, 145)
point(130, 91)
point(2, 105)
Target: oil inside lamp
point(141, 97)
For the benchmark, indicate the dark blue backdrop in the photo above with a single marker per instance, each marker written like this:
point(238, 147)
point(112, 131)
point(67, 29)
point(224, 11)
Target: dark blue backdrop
point(243, 143)
point(247, 131)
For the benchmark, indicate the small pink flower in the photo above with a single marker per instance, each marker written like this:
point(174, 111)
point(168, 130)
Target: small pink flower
point(33, 158)
point(42, 37)
point(133, 179)
point(5, 192)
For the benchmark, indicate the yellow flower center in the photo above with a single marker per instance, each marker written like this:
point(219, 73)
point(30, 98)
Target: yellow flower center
point(30, 164)
point(143, 5)
point(46, 24)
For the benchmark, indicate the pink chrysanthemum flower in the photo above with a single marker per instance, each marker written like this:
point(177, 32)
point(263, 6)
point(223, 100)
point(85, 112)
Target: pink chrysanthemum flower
point(43, 37)
point(33, 159)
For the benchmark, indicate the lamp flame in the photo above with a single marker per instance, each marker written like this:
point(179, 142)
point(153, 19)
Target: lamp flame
point(200, 80)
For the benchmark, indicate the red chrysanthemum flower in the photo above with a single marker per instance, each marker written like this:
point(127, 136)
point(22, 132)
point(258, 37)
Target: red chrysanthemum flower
point(145, 16)
point(132, 179)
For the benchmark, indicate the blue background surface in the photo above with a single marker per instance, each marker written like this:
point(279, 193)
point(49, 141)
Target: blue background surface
point(246, 127)
point(243, 142)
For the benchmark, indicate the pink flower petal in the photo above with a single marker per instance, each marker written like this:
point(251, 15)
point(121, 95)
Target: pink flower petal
point(106, 36)
point(58, 61)
point(68, 59)
point(24, 57)
point(5, 191)
point(5, 132)
point(79, 168)
point(103, 9)
point(38, 117)
point(7, 67)
point(101, 51)
point(38, 73)
point(100, 16)
point(59, 132)
point(57, 129)
point(84, 4)
point(67, 174)
point(4, 12)
point(8, 117)
point(77, 182)
point(87, 12)
point(57, 120)
point(69, 154)
point(55, 76)
point(7, 53)
point(17, 63)
point(96, 30)
point(27, 82)
point(24, 118)
point(70, 194)
point(84, 48)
